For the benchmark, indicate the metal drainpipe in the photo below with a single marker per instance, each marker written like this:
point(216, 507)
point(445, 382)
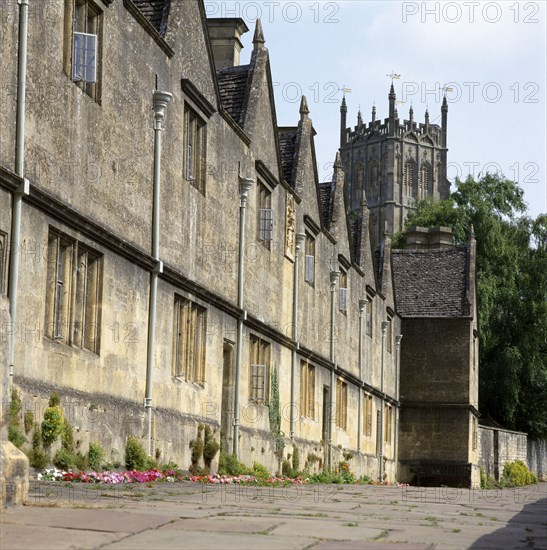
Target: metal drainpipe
point(362, 304)
point(244, 187)
point(160, 101)
point(381, 468)
point(334, 275)
point(23, 189)
point(299, 239)
point(398, 339)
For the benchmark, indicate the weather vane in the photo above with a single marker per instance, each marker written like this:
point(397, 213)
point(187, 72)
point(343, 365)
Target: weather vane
point(346, 90)
point(394, 76)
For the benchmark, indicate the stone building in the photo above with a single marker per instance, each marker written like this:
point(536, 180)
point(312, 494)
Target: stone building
point(435, 296)
point(167, 247)
point(393, 164)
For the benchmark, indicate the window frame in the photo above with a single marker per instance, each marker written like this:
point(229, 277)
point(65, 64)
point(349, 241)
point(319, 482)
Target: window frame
point(307, 389)
point(409, 176)
point(389, 335)
point(424, 181)
point(388, 423)
point(368, 317)
point(367, 415)
point(190, 341)
point(341, 404)
point(373, 176)
point(259, 359)
point(84, 18)
point(194, 149)
point(73, 293)
point(343, 291)
point(265, 219)
point(310, 258)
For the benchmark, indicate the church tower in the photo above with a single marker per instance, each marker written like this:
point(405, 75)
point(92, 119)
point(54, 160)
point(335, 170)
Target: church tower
point(393, 164)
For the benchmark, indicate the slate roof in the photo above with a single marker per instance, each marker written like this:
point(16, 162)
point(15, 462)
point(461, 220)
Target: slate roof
point(232, 83)
point(431, 283)
point(355, 229)
point(287, 144)
point(326, 193)
point(156, 11)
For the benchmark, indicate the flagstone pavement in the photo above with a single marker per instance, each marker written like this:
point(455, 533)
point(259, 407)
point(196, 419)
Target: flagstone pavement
point(318, 517)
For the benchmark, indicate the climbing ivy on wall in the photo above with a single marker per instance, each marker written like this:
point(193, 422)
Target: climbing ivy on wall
point(275, 413)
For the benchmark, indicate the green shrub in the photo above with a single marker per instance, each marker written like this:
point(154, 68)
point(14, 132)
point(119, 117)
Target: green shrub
point(15, 407)
point(52, 424)
point(55, 399)
point(228, 464)
point(197, 447)
point(15, 436)
point(348, 455)
point(135, 455)
point(81, 461)
point(67, 437)
point(95, 456)
point(516, 474)
point(14, 426)
point(28, 421)
point(346, 475)
point(342, 474)
point(38, 458)
point(286, 467)
point(489, 482)
point(64, 460)
point(260, 471)
point(210, 446)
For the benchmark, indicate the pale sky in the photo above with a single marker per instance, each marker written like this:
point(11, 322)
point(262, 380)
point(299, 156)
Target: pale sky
point(492, 54)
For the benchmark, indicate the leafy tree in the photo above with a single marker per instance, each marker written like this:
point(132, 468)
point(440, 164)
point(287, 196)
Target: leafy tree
point(511, 292)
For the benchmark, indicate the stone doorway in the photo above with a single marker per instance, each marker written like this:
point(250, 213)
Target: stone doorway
point(227, 406)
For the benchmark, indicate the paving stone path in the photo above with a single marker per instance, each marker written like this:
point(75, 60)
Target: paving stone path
point(318, 517)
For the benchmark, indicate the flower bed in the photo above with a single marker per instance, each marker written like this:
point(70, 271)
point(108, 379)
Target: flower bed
point(133, 476)
point(171, 476)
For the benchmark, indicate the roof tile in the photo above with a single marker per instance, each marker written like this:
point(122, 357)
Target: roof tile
point(430, 283)
point(232, 83)
point(156, 11)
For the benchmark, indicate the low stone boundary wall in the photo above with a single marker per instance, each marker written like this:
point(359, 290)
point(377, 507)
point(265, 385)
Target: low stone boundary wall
point(498, 447)
point(537, 457)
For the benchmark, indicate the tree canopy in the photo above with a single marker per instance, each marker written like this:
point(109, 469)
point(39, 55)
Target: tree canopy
point(511, 292)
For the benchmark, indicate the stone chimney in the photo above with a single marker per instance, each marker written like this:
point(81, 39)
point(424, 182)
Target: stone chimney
point(417, 237)
point(432, 238)
point(441, 237)
point(225, 36)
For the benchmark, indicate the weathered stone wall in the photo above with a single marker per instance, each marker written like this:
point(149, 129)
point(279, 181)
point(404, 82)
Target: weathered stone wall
point(437, 387)
point(4, 379)
point(434, 433)
point(498, 447)
point(537, 457)
point(435, 361)
point(14, 469)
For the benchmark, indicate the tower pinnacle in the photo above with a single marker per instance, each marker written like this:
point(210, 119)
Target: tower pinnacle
point(258, 38)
